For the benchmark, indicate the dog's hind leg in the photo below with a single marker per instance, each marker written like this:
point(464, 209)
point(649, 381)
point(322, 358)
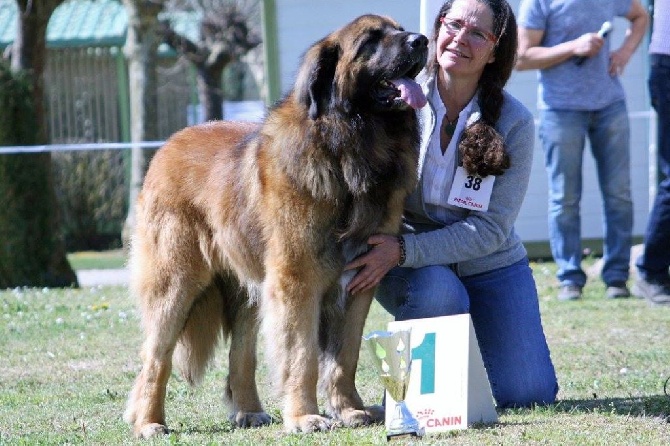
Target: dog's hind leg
point(146, 405)
point(163, 321)
point(241, 389)
point(339, 364)
point(167, 287)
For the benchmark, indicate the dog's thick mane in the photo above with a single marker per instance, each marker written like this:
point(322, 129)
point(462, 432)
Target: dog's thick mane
point(337, 145)
point(335, 158)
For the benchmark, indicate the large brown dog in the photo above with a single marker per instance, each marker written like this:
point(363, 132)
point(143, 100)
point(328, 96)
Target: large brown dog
point(239, 222)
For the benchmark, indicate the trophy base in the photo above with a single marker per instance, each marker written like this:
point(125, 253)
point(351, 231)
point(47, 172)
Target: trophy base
point(405, 436)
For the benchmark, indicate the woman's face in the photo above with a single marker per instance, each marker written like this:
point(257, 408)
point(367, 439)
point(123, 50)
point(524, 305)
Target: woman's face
point(465, 42)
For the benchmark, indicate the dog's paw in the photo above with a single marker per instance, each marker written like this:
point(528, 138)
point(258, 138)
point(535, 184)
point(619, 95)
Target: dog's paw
point(130, 415)
point(250, 419)
point(308, 423)
point(376, 413)
point(364, 417)
point(151, 430)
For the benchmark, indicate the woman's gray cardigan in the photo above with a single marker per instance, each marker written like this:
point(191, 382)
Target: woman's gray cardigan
point(473, 242)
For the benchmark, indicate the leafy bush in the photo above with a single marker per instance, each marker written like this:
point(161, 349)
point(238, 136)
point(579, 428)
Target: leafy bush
point(93, 197)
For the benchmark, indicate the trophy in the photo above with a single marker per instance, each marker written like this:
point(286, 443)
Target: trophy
point(393, 356)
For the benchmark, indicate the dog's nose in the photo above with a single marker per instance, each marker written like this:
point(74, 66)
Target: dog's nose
point(417, 40)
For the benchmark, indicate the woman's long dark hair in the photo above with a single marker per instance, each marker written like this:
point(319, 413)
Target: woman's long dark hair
point(481, 147)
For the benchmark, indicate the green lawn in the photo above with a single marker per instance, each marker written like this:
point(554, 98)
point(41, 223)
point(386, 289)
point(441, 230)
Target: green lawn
point(97, 259)
point(68, 359)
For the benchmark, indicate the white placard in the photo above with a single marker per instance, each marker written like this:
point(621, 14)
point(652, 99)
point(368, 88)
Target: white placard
point(471, 191)
point(448, 387)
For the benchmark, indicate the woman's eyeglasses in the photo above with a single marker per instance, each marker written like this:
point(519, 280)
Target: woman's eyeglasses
point(474, 35)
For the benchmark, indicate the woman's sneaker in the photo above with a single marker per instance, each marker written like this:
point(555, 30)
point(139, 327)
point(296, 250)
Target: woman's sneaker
point(652, 292)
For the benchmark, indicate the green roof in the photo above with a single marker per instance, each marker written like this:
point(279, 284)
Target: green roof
point(74, 23)
point(83, 23)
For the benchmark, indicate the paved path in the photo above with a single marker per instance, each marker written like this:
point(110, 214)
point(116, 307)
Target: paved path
point(121, 276)
point(95, 277)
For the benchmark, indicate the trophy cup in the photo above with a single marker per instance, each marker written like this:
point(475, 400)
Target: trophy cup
point(393, 355)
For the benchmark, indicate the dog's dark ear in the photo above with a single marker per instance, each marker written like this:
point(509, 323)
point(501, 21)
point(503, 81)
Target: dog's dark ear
point(314, 84)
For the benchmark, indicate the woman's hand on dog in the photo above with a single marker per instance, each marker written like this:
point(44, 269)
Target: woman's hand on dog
point(384, 254)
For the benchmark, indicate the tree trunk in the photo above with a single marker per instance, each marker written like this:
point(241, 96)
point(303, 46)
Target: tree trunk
point(33, 247)
point(141, 50)
point(210, 92)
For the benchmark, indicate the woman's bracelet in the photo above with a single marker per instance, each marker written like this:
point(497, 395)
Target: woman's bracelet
point(403, 253)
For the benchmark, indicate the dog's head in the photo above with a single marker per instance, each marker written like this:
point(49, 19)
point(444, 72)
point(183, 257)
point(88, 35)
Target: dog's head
point(368, 65)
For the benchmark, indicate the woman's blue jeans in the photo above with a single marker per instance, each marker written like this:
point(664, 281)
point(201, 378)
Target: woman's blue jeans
point(503, 305)
point(653, 264)
point(563, 134)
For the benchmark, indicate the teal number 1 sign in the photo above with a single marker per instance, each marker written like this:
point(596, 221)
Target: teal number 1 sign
point(426, 353)
point(449, 387)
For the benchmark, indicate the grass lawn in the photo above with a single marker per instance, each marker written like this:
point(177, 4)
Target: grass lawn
point(69, 357)
point(97, 259)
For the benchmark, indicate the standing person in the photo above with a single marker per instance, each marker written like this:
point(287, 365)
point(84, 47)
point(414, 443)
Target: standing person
point(653, 283)
point(459, 252)
point(580, 95)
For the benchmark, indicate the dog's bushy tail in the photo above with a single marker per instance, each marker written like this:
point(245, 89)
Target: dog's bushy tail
point(202, 332)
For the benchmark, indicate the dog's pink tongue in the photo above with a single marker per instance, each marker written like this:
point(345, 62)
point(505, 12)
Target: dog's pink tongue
point(410, 92)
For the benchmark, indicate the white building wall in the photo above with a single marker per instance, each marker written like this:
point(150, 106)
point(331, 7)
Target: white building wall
point(302, 22)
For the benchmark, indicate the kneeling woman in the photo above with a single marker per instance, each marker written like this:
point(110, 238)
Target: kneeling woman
point(459, 252)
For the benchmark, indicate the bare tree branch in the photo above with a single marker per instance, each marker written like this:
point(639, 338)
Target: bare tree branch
point(226, 34)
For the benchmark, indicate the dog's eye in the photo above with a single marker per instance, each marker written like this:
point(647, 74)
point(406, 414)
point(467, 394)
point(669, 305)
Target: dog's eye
point(369, 45)
point(375, 34)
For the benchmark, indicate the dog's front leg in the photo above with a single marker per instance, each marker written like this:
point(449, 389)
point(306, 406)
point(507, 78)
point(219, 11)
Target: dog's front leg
point(290, 313)
point(241, 390)
point(340, 363)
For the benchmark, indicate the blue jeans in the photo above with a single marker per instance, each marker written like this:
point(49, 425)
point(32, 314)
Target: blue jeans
point(654, 263)
point(563, 134)
point(503, 305)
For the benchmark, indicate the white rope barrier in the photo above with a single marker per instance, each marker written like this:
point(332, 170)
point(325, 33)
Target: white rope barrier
point(5, 150)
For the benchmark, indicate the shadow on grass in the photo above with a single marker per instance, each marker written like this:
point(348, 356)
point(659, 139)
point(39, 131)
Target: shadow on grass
point(648, 406)
point(219, 427)
point(211, 429)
